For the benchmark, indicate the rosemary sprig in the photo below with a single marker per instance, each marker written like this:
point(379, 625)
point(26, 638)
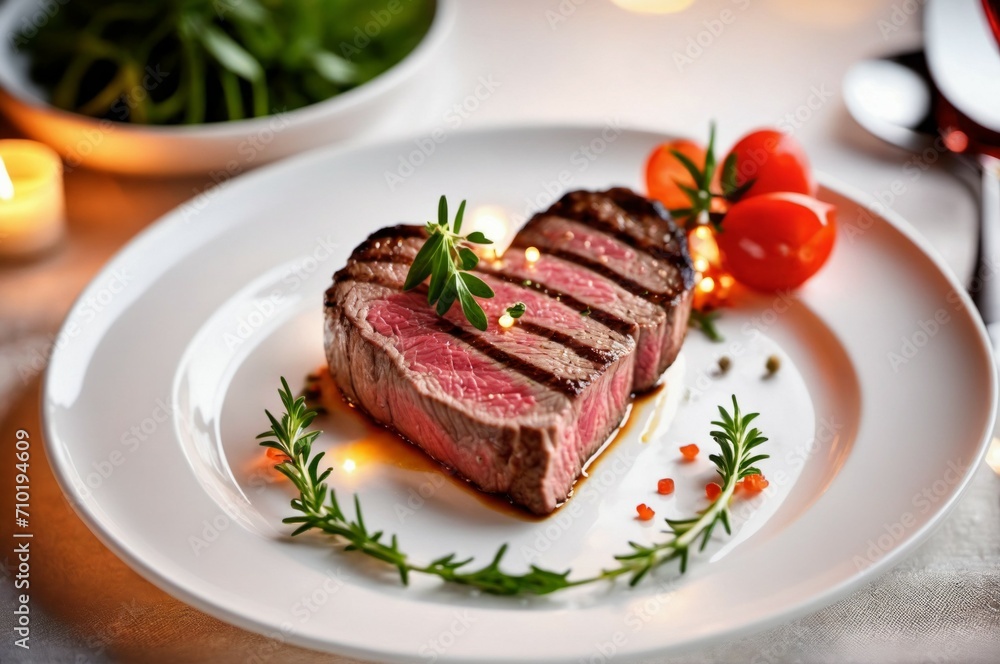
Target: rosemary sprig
point(319, 509)
point(447, 261)
point(699, 212)
point(736, 441)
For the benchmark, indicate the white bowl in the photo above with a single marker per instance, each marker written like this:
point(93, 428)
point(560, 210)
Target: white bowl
point(222, 147)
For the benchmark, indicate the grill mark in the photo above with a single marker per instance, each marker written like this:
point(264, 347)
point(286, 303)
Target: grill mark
point(665, 300)
point(568, 386)
point(377, 248)
point(595, 355)
point(677, 259)
point(636, 207)
point(369, 252)
point(605, 318)
point(579, 205)
point(638, 243)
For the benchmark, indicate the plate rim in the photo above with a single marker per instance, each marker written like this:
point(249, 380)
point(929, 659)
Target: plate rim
point(170, 221)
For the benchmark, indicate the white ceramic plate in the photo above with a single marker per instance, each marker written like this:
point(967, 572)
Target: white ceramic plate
point(223, 148)
point(164, 367)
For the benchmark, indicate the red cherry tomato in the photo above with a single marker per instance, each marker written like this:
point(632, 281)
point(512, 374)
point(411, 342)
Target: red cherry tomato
point(664, 171)
point(774, 161)
point(776, 241)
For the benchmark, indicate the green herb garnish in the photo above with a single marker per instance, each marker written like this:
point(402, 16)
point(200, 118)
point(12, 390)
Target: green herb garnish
point(194, 61)
point(517, 309)
point(446, 260)
point(736, 461)
point(699, 212)
point(705, 321)
point(318, 509)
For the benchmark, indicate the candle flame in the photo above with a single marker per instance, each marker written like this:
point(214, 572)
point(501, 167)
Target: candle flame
point(993, 455)
point(654, 6)
point(6, 184)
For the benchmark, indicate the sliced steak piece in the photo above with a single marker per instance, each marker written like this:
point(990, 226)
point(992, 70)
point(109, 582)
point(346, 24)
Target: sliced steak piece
point(516, 411)
point(601, 299)
point(624, 242)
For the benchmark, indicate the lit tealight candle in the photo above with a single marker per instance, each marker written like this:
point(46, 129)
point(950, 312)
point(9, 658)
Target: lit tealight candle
point(654, 6)
point(32, 207)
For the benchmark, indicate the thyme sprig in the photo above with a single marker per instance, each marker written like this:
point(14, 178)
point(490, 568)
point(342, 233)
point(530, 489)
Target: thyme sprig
point(318, 509)
point(517, 310)
point(447, 261)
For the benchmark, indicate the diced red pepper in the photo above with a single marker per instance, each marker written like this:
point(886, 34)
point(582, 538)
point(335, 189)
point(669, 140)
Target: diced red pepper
point(665, 487)
point(689, 452)
point(645, 512)
point(755, 483)
point(712, 490)
point(277, 455)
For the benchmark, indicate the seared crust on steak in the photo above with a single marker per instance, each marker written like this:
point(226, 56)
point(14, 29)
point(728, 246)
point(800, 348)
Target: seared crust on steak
point(518, 411)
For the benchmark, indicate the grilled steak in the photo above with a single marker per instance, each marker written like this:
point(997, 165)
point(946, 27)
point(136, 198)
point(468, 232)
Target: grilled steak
point(518, 411)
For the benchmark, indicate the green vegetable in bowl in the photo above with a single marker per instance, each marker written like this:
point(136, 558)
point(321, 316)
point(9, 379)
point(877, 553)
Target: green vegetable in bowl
point(195, 61)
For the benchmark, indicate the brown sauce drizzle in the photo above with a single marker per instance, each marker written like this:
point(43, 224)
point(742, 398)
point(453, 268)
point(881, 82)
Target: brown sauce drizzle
point(629, 422)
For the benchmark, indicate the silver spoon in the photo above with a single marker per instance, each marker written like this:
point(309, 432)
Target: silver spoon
point(893, 99)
